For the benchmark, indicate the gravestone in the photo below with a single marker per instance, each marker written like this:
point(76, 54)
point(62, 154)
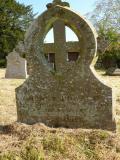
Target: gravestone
point(116, 72)
point(16, 66)
point(62, 88)
point(113, 71)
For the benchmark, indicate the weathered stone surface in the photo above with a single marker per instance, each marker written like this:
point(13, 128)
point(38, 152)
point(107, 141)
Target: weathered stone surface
point(70, 95)
point(16, 66)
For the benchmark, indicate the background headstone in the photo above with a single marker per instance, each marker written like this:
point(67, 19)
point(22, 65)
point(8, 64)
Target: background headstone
point(113, 71)
point(16, 66)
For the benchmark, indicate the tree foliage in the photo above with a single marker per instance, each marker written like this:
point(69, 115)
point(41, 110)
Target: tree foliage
point(14, 20)
point(106, 18)
point(106, 14)
point(111, 55)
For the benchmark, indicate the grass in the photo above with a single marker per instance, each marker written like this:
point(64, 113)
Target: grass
point(44, 143)
point(7, 98)
point(39, 142)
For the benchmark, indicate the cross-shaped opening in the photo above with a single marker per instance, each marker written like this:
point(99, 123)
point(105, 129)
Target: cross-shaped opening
point(50, 57)
point(70, 35)
point(72, 56)
point(49, 37)
point(61, 45)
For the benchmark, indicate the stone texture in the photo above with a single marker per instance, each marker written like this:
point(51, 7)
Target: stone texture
point(71, 94)
point(16, 66)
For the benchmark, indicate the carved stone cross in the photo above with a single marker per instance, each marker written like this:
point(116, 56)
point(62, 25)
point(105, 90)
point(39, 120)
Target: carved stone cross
point(58, 2)
point(60, 52)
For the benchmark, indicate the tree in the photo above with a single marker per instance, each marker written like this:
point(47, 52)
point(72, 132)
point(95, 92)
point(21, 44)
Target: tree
point(106, 15)
point(14, 20)
point(110, 57)
point(106, 18)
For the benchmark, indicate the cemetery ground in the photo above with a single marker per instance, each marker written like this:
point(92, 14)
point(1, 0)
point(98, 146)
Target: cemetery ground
point(39, 142)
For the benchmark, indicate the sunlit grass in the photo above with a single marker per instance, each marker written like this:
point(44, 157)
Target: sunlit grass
point(7, 98)
point(38, 142)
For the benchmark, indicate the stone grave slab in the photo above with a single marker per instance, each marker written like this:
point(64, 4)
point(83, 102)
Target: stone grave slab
point(16, 66)
point(113, 71)
point(62, 89)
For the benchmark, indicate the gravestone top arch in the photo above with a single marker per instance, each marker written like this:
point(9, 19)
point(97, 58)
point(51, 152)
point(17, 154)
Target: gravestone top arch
point(62, 89)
